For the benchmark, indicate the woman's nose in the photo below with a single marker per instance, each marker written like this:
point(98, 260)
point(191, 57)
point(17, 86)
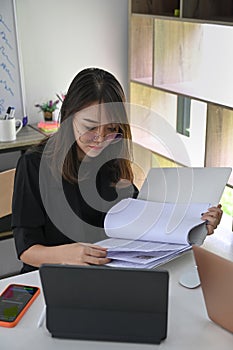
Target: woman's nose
point(99, 136)
point(101, 132)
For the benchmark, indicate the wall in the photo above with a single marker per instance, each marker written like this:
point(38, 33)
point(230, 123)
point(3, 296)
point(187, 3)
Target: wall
point(59, 38)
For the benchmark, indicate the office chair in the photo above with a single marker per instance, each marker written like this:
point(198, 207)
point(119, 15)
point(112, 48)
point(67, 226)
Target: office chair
point(9, 263)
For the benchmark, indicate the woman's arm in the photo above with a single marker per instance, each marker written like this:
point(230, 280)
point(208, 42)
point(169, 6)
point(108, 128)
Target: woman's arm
point(71, 254)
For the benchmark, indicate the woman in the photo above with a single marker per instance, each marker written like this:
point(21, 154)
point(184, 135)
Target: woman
point(65, 186)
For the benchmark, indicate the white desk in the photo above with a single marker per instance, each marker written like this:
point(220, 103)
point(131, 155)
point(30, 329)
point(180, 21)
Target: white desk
point(188, 325)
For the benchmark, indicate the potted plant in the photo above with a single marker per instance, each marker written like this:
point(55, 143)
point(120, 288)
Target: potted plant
point(48, 108)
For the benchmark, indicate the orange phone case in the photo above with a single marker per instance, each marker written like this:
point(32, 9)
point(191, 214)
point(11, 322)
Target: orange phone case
point(22, 312)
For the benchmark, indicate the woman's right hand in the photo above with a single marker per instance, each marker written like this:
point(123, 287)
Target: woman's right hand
point(70, 254)
point(84, 254)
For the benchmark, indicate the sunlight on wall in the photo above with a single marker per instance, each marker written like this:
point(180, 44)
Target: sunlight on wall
point(216, 70)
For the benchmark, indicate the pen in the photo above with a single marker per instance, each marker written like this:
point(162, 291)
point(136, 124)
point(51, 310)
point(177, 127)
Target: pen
point(25, 120)
point(59, 97)
point(42, 317)
point(12, 112)
point(7, 113)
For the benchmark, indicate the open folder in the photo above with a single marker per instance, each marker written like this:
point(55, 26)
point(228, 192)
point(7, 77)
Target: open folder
point(165, 220)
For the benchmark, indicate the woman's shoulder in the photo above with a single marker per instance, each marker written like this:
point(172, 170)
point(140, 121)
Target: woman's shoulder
point(32, 157)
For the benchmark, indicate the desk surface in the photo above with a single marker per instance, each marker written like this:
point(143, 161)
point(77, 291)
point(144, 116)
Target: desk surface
point(26, 138)
point(188, 324)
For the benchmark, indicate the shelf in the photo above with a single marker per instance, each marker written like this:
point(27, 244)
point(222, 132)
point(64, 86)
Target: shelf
point(155, 7)
point(165, 148)
point(206, 11)
point(189, 56)
point(183, 58)
point(202, 91)
point(158, 121)
point(198, 90)
point(144, 80)
point(144, 139)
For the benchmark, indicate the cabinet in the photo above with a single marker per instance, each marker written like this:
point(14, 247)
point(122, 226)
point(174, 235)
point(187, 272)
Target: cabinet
point(183, 49)
point(203, 10)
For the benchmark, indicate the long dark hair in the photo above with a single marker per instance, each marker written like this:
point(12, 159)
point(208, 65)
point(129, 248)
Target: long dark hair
point(99, 86)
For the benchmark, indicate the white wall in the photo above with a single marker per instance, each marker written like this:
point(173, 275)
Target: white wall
point(59, 38)
point(216, 73)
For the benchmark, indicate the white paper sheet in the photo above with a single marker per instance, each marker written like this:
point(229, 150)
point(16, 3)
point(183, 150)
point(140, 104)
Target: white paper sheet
point(137, 263)
point(136, 219)
point(146, 234)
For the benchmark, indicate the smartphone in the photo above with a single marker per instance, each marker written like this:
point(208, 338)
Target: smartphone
point(14, 302)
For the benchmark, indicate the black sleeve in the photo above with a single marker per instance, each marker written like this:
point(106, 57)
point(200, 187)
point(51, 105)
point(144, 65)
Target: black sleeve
point(27, 237)
point(28, 214)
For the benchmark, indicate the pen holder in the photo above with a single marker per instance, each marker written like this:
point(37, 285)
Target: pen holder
point(9, 129)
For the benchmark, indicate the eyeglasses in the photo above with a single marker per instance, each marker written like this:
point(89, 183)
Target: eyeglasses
point(91, 136)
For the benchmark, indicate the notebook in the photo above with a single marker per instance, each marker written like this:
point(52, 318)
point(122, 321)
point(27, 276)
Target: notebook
point(216, 276)
point(98, 303)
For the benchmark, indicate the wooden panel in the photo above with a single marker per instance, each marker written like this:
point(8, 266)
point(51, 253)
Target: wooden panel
point(162, 162)
point(141, 165)
point(219, 137)
point(6, 190)
point(161, 102)
point(177, 51)
point(141, 48)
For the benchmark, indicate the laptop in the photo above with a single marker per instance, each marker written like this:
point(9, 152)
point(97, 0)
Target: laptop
point(99, 303)
point(216, 276)
point(195, 185)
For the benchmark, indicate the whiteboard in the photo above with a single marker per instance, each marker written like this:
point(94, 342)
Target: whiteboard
point(11, 92)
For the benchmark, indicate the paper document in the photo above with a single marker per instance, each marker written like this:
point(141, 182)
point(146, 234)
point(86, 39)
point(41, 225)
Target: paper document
point(145, 233)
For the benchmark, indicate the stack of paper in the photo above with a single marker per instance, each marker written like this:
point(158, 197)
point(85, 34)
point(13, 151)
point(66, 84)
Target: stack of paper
point(48, 127)
point(144, 234)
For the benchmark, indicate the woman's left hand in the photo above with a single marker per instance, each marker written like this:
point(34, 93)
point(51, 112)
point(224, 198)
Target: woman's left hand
point(212, 217)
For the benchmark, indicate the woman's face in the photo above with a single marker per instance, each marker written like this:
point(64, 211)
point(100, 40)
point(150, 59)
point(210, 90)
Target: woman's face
point(93, 130)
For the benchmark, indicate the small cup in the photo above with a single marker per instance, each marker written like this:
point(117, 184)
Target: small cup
point(9, 130)
point(177, 12)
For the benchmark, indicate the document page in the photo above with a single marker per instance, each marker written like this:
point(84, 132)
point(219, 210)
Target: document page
point(147, 234)
point(136, 219)
point(144, 260)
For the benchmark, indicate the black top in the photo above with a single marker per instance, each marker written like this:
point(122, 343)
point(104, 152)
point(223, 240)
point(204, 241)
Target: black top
point(59, 224)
